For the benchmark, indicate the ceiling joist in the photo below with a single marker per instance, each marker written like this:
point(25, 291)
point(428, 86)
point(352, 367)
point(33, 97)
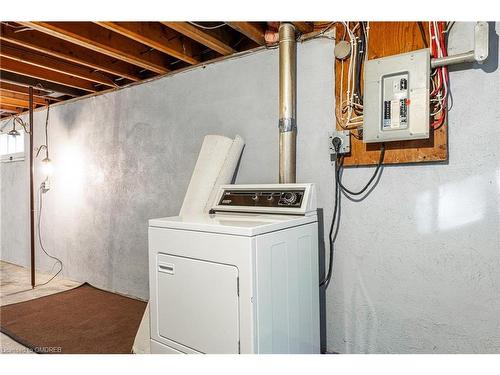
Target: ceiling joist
point(61, 60)
point(43, 61)
point(61, 49)
point(98, 39)
point(14, 102)
point(11, 96)
point(10, 108)
point(7, 87)
point(304, 27)
point(155, 36)
point(25, 80)
point(252, 30)
point(201, 36)
point(45, 74)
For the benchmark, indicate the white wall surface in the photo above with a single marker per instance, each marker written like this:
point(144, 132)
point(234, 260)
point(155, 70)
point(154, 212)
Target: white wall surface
point(14, 219)
point(417, 264)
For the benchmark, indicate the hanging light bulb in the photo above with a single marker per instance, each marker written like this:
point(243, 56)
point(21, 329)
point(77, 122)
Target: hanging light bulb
point(14, 132)
point(47, 167)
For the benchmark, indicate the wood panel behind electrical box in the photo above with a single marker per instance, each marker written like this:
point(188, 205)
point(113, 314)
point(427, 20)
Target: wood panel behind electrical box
point(386, 39)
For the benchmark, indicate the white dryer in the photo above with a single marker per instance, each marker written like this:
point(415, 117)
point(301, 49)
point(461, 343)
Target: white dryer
point(242, 279)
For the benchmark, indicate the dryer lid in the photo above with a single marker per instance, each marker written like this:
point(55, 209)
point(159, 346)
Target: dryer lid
point(240, 224)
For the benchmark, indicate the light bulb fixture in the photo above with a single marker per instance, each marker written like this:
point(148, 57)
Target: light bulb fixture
point(47, 167)
point(14, 132)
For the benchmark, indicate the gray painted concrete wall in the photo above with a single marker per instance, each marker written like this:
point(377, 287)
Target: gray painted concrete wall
point(417, 264)
point(127, 156)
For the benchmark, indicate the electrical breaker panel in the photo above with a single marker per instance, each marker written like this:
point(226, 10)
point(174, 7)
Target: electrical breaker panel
point(396, 97)
point(395, 101)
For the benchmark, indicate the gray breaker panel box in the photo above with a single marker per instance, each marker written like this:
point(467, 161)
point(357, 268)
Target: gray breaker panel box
point(396, 97)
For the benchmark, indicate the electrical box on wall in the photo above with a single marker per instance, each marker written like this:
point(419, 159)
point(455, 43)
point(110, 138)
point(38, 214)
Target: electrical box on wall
point(396, 97)
point(340, 143)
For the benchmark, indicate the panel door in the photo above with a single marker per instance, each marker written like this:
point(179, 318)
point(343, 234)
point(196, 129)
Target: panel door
point(198, 304)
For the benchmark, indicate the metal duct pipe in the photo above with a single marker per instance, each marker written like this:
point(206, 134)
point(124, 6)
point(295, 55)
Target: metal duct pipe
point(454, 59)
point(479, 54)
point(288, 103)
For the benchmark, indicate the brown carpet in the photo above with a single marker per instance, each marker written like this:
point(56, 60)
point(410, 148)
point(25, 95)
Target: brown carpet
point(81, 320)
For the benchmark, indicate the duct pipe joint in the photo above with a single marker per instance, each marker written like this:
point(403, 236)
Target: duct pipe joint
point(287, 125)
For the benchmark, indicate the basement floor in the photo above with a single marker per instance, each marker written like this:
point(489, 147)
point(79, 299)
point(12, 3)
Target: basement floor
point(15, 287)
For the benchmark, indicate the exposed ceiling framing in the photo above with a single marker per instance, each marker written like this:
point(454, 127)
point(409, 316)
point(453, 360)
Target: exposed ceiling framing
point(63, 60)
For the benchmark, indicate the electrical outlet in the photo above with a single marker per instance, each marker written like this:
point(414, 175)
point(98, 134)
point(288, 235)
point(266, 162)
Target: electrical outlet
point(45, 186)
point(339, 143)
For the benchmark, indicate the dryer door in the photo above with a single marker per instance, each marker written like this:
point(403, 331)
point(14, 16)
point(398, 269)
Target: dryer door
point(198, 304)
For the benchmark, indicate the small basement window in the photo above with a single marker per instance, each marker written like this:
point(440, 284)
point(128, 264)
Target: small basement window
point(11, 148)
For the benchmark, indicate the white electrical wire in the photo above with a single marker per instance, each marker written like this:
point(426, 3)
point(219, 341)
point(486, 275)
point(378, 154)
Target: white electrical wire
point(40, 241)
point(346, 117)
point(207, 27)
point(367, 37)
point(41, 192)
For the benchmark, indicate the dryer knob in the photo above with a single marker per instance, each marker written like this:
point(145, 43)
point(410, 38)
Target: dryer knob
point(290, 197)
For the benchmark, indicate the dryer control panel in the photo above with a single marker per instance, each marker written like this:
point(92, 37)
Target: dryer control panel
point(297, 199)
point(262, 198)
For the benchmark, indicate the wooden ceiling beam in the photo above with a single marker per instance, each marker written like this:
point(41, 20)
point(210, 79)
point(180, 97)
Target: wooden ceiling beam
point(61, 49)
point(105, 42)
point(43, 61)
point(252, 30)
point(24, 80)
point(14, 102)
point(22, 90)
point(201, 36)
point(304, 27)
point(10, 108)
point(155, 36)
point(5, 94)
point(45, 74)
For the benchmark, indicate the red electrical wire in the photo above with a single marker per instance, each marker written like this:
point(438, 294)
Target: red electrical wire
point(437, 36)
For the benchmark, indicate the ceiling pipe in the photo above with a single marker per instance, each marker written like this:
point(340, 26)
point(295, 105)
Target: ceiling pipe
point(287, 103)
point(271, 35)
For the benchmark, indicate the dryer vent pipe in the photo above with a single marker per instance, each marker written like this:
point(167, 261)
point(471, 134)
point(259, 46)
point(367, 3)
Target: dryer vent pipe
point(287, 103)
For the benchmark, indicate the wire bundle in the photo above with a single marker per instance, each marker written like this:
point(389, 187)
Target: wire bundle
point(439, 76)
point(340, 189)
point(41, 192)
point(40, 241)
point(349, 114)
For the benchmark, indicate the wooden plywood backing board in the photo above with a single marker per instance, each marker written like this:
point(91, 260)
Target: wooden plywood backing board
point(386, 39)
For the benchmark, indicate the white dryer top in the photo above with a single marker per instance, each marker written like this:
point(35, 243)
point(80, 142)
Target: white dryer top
point(238, 224)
